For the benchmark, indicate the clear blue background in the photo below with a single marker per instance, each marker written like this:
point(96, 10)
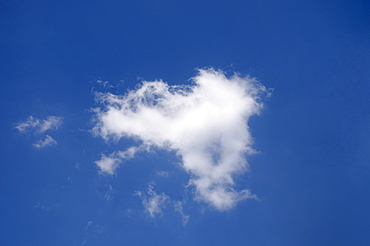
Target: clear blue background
point(312, 174)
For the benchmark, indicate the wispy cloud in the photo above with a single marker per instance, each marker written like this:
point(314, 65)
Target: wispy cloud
point(48, 141)
point(92, 231)
point(153, 203)
point(108, 195)
point(178, 206)
point(162, 173)
point(108, 164)
point(40, 126)
point(104, 83)
point(205, 124)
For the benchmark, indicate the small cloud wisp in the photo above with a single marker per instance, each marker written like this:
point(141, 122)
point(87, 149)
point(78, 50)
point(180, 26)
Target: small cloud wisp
point(153, 203)
point(37, 126)
point(49, 141)
point(40, 126)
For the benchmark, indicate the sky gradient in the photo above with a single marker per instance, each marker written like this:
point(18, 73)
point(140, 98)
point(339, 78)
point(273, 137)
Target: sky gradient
point(185, 122)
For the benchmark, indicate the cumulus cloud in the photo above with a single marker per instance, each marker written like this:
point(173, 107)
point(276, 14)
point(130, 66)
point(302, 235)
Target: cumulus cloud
point(48, 141)
point(204, 123)
point(40, 126)
point(153, 203)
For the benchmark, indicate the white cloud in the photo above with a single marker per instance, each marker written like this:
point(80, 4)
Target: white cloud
point(31, 122)
point(40, 126)
point(48, 141)
point(205, 124)
point(104, 83)
point(51, 123)
point(153, 203)
point(131, 152)
point(108, 164)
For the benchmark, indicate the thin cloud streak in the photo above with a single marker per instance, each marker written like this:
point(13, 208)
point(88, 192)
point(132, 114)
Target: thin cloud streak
point(205, 124)
point(178, 206)
point(48, 141)
point(40, 126)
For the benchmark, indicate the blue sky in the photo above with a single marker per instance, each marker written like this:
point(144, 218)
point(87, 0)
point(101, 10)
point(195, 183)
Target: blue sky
point(252, 127)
